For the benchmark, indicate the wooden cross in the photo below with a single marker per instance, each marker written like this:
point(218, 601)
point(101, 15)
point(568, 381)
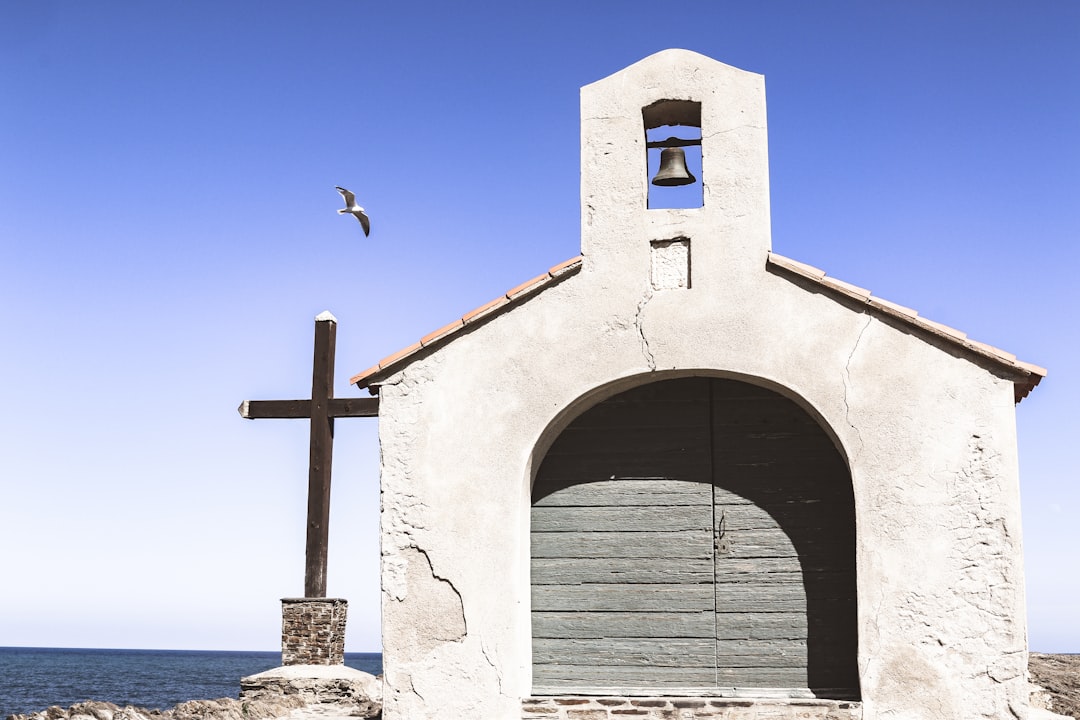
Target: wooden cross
point(322, 408)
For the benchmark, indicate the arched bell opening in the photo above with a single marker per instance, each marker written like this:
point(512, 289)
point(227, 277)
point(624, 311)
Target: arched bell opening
point(673, 158)
point(694, 535)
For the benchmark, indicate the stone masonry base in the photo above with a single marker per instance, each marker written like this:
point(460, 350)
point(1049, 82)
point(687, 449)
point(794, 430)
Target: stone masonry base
point(345, 690)
point(313, 631)
point(687, 708)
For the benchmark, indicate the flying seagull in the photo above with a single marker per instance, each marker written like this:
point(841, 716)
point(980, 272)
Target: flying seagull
point(352, 208)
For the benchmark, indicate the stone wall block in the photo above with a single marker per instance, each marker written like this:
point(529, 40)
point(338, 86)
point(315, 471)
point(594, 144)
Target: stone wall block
point(313, 631)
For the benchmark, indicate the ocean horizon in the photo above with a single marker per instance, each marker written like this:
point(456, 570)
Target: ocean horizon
point(32, 679)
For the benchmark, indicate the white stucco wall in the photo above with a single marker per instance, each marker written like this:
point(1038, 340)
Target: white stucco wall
point(929, 435)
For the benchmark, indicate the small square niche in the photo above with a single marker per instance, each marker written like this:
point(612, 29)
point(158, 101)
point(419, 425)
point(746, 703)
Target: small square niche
point(671, 264)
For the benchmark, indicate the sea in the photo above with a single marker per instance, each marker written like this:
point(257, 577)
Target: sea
point(32, 679)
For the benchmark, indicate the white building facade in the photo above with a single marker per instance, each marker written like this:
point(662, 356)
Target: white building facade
point(682, 468)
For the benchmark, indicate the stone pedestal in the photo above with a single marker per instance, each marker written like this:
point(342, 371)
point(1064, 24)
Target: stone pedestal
point(341, 691)
point(313, 631)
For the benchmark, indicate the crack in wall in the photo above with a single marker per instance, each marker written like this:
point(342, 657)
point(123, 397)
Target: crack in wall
point(498, 674)
point(461, 601)
point(847, 384)
point(731, 129)
point(429, 610)
point(867, 658)
point(412, 688)
point(646, 351)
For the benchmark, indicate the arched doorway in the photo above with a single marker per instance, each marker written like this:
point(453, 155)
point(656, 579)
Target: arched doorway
point(694, 535)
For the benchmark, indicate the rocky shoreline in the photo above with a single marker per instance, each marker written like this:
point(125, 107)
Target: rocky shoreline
point(1059, 678)
point(307, 692)
point(221, 709)
point(294, 692)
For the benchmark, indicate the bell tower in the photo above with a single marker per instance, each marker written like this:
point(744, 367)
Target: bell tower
point(675, 173)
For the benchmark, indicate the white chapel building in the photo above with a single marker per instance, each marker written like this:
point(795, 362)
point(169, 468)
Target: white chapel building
point(681, 476)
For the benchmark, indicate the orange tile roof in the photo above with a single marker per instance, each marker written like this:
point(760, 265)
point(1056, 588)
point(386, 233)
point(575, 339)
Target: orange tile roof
point(1028, 375)
point(487, 311)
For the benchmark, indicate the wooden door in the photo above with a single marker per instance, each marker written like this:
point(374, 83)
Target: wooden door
point(691, 535)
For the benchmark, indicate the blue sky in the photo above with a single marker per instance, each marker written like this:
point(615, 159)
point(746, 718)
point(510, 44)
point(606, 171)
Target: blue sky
point(168, 233)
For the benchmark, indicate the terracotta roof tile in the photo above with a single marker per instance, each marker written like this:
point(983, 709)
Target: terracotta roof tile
point(1033, 369)
point(846, 288)
point(403, 353)
point(801, 268)
point(370, 371)
point(946, 330)
point(526, 286)
point(485, 309)
point(565, 267)
point(992, 350)
point(495, 307)
point(444, 330)
point(1022, 386)
point(893, 307)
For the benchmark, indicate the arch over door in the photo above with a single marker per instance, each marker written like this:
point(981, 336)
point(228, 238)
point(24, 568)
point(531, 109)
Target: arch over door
point(694, 535)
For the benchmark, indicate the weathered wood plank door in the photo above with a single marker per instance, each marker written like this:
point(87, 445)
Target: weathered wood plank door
point(691, 535)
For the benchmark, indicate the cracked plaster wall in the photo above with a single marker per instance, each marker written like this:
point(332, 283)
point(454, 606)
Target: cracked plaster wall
point(929, 436)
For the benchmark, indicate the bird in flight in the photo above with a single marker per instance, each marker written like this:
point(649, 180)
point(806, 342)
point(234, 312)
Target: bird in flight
point(353, 209)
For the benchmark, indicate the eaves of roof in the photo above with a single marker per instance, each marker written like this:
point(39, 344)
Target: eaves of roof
point(1026, 375)
point(511, 298)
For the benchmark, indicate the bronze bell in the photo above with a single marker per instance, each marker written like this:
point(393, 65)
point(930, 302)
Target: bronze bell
point(673, 170)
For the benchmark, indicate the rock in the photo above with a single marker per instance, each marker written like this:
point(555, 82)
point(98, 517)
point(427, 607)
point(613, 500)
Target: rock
point(318, 691)
point(264, 708)
point(1058, 681)
point(353, 692)
point(130, 712)
point(96, 710)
